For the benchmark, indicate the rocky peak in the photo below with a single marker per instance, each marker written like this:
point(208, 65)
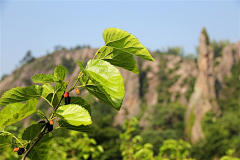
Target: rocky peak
point(203, 98)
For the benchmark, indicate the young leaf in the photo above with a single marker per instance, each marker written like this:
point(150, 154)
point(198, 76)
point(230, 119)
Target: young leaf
point(43, 78)
point(120, 39)
point(120, 46)
point(5, 139)
point(60, 72)
point(47, 89)
point(41, 115)
point(32, 131)
point(81, 128)
point(118, 58)
point(17, 111)
point(81, 102)
point(80, 64)
point(20, 94)
point(105, 82)
point(41, 149)
point(74, 114)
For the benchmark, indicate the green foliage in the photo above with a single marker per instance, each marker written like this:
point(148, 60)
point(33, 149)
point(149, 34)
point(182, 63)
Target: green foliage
point(74, 114)
point(174, 149)
point(204, 32)
point(119, 48)
point(105, 82)
point(41, 150)
point(5, 139)
point(32, 131)
point(80, 128)
point(100, 77)
point(218, 47)
point(20, 94)
point(41, 114)
point(131, 148)
point(82, 148)
point(229, 155)
point(27, 58)
point(17, 111)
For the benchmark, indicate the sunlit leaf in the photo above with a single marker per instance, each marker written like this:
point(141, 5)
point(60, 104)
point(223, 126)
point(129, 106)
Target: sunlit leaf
point(17, 111)
point(104, 81)
point(74, 114)
point(81, 128)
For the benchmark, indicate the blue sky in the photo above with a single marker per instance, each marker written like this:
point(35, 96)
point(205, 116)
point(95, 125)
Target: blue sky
point(40, 25)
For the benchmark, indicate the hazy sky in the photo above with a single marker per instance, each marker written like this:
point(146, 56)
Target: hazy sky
point(40, 25)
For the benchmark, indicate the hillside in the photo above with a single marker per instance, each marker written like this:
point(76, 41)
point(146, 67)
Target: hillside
point(174, 96)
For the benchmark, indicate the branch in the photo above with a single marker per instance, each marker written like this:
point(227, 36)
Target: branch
point(38, 139)
point(45, 127)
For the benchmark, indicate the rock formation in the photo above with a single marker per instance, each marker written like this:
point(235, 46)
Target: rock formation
point(203, 98)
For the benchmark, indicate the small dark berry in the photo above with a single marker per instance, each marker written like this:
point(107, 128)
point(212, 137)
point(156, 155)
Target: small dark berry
point(67, 100)
point(49, 127)
point(66, 94)
point(21, 151)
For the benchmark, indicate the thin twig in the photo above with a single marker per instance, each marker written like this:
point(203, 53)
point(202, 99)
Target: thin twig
point(45, 127)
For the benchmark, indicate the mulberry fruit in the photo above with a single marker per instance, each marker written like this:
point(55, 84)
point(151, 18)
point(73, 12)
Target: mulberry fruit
point(66, 94)
point(21, 151)
point(78, 91)
point(15, 149)
point(67, 100)
point(51, 122)
point(49, 126)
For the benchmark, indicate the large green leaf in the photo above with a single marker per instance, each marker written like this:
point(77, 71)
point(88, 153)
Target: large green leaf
point(17, 111)
point(74, 114)
point(105, 82)
point(32, 131)
point(43, 78)
point(119, 48)
point(81, 102)
point(80, 128)
point(5, 139)
point(118, 58)
point(41, 149)
point(20, 94)
point(60, 72)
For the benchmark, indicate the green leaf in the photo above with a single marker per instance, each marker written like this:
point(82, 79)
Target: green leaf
point(17, 111)
point(118, 58)
point(80, 64)
point(60, 72)
point(81, 102)
point(81, 128)
point(5, 139)
point(120, 46)
point(20, 94)
point(32, 131)
point(105, 82)
point(126, 42)
point(41, 149)
point(43, 78)
point(41, 115)
point(47, 89)
point(74, 114)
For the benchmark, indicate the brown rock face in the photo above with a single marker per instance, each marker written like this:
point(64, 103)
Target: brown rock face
point(203, 98)
point(131, 101)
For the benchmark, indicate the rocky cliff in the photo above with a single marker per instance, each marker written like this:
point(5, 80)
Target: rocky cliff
point(170, 78)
